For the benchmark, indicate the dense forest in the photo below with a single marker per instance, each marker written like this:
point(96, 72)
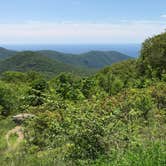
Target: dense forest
point(115, 116)
point(51, 63)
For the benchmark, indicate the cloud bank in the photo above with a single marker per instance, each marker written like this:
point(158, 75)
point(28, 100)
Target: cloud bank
point(32, 32)
point(163, 16)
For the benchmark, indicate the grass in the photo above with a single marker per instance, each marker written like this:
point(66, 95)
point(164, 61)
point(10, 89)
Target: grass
point(13, 138)
point(152, 155)
point(5, 126)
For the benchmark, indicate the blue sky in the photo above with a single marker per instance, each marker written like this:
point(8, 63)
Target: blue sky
point(80, 21)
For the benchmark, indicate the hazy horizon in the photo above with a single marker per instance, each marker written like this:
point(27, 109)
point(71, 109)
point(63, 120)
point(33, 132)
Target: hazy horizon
point(80, 21)
point(128, 49)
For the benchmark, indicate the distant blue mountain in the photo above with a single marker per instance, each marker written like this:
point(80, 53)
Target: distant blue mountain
point(91, 59)
point(52, 60)
point(128, 49)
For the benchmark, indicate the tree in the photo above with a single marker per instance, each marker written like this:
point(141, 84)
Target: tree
point(69, 86)
point(36, 94)
point(153, 56)
point(14, 76)
point(6, 100)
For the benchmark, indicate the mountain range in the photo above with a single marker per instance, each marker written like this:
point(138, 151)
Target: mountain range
point(5, 53)
point(54, 62)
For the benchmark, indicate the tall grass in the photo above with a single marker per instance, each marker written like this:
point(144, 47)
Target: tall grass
point(152, 155)
point(5, 126)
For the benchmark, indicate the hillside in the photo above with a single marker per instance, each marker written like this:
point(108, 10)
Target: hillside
point(28, 60)
point(92, 59)
point(5, 53)
point(114, 117)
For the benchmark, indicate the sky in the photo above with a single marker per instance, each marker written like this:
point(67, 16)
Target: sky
point(80, 21)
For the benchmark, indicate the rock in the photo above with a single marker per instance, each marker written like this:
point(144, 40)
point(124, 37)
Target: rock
point(22, 117)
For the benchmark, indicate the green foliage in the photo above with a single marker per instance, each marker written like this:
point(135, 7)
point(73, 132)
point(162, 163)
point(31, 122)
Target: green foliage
point(139, 103)
point(36, 95)
point(40, 85)
point(33, 61)
point(121, 75)
point(69, 86)
point(88, 130)
point(158, 93)
point(32, 76)
point(153, 56)
point(116, 117)
point(6, 99)
point(6, 125)
point(90, 87)
point(11, 76)
point(150, 155)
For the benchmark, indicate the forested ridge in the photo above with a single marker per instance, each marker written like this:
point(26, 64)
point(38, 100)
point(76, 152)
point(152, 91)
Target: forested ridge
point(32, 61)
point(116, 116)
point(51, 63)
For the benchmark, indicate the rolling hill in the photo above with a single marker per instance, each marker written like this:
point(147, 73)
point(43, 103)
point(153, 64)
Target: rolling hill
point(28, 60)
point(5, 53)
point(92, 59)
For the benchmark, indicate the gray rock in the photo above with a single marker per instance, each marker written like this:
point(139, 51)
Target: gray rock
point(22, 117)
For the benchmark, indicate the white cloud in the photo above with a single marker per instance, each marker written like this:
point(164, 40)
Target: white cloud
point(163, 16)
point(69, 32)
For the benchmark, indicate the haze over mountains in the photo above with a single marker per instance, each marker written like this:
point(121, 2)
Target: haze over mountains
point(5, 53)
point(54, 62)
point(128, 49)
